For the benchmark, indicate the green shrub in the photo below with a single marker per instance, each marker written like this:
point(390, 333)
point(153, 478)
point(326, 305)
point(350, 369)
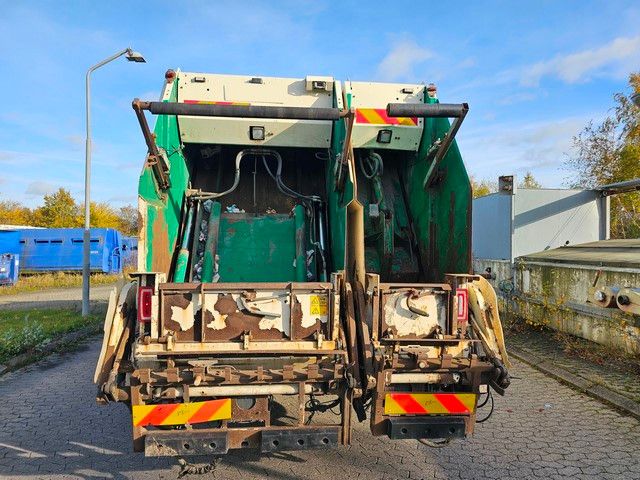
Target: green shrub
point(19, 340)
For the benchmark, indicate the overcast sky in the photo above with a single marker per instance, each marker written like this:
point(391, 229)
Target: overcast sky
point(534, 73)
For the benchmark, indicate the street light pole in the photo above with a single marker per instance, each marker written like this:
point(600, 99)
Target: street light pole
point(86, 243)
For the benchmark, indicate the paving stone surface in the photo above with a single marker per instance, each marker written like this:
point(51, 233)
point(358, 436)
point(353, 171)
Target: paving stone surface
point(543, 344)
point(52, 429)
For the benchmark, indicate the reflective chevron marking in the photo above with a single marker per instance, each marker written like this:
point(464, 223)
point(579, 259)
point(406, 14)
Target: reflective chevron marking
point(429, 403)
point(181, 413)
point(378, 116)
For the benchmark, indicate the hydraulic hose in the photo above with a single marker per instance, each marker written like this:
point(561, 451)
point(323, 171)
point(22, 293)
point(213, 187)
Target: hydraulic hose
point(488, 399)
point(278, 178)
point(236, 181)
point(183, 255)
point(371, 165)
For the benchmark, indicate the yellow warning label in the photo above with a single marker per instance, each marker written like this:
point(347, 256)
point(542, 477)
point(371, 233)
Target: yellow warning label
point(319, 305)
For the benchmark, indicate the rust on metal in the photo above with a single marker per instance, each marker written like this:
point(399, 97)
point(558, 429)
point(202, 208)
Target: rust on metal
point(161, 258)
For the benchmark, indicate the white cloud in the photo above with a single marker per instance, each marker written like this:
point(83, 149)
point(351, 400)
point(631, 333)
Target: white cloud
point(615, 58)
point(539, 147)
point(401, 60)
point(123, 199)
point(468, 62)
point(519, 97)
point(40, 188)
point(7, 157)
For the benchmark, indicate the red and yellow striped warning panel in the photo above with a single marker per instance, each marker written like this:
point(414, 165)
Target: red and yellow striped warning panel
point(181, 413)
point(429, 403)
point(206, 102)
point(378, 116)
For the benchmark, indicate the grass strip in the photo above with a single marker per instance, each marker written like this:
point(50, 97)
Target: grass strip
point(45, 281)
point(25, 331)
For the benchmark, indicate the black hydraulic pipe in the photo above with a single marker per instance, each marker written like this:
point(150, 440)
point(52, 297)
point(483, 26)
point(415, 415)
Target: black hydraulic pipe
point(242, 111)
point(427, 110)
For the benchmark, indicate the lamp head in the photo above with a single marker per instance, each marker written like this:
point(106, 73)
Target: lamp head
point(134, 56)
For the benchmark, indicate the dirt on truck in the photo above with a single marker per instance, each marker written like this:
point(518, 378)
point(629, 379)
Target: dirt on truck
point(304, 246)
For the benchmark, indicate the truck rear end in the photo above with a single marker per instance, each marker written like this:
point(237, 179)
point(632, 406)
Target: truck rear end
point(304, 251)
point(231, 335)
point(431, 338)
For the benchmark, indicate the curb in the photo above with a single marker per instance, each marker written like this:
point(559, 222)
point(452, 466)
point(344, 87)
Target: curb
point(24, 359)
point(581, 384)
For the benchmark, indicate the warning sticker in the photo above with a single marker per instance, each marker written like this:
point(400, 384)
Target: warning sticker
point(319, 305)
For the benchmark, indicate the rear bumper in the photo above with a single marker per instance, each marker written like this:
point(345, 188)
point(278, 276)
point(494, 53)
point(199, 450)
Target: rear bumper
point(219, 442)
point(427, 427)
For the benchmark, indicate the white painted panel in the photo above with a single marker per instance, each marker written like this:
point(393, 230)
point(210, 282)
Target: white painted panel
point(366, 95)
point(272, 91)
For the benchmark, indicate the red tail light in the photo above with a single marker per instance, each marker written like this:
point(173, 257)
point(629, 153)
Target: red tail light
point(462, 295)
point(144, 304)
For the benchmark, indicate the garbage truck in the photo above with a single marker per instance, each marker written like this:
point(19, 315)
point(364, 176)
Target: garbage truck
point(303, 258)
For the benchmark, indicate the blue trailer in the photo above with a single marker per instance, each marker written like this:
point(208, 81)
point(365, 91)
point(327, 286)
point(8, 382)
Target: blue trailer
point(9, 269)
point(9, 257)
point(60, 250)
point(10, 242)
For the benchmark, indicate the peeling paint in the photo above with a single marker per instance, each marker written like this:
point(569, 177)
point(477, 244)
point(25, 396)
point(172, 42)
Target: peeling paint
point(219, 321)
point(405, 322)
point(275, 305)
point(183, 316)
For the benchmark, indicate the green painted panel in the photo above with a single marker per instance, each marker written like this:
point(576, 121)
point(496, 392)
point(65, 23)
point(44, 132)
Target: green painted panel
point(257, 249)
point(442, 214)
point(164, 207)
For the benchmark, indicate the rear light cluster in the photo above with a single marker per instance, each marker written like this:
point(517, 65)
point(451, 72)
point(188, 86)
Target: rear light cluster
point(144, 304)
point(462, 297)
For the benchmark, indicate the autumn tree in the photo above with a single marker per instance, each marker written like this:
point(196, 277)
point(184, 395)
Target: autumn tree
point(59, 210)
point(102, 215)
point(609, 152)
point(529, 181)
point(128, 220)
point(480, 188)
point(13, 213)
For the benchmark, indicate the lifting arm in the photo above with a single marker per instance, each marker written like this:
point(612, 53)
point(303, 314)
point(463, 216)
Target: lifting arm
point(433, 110)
